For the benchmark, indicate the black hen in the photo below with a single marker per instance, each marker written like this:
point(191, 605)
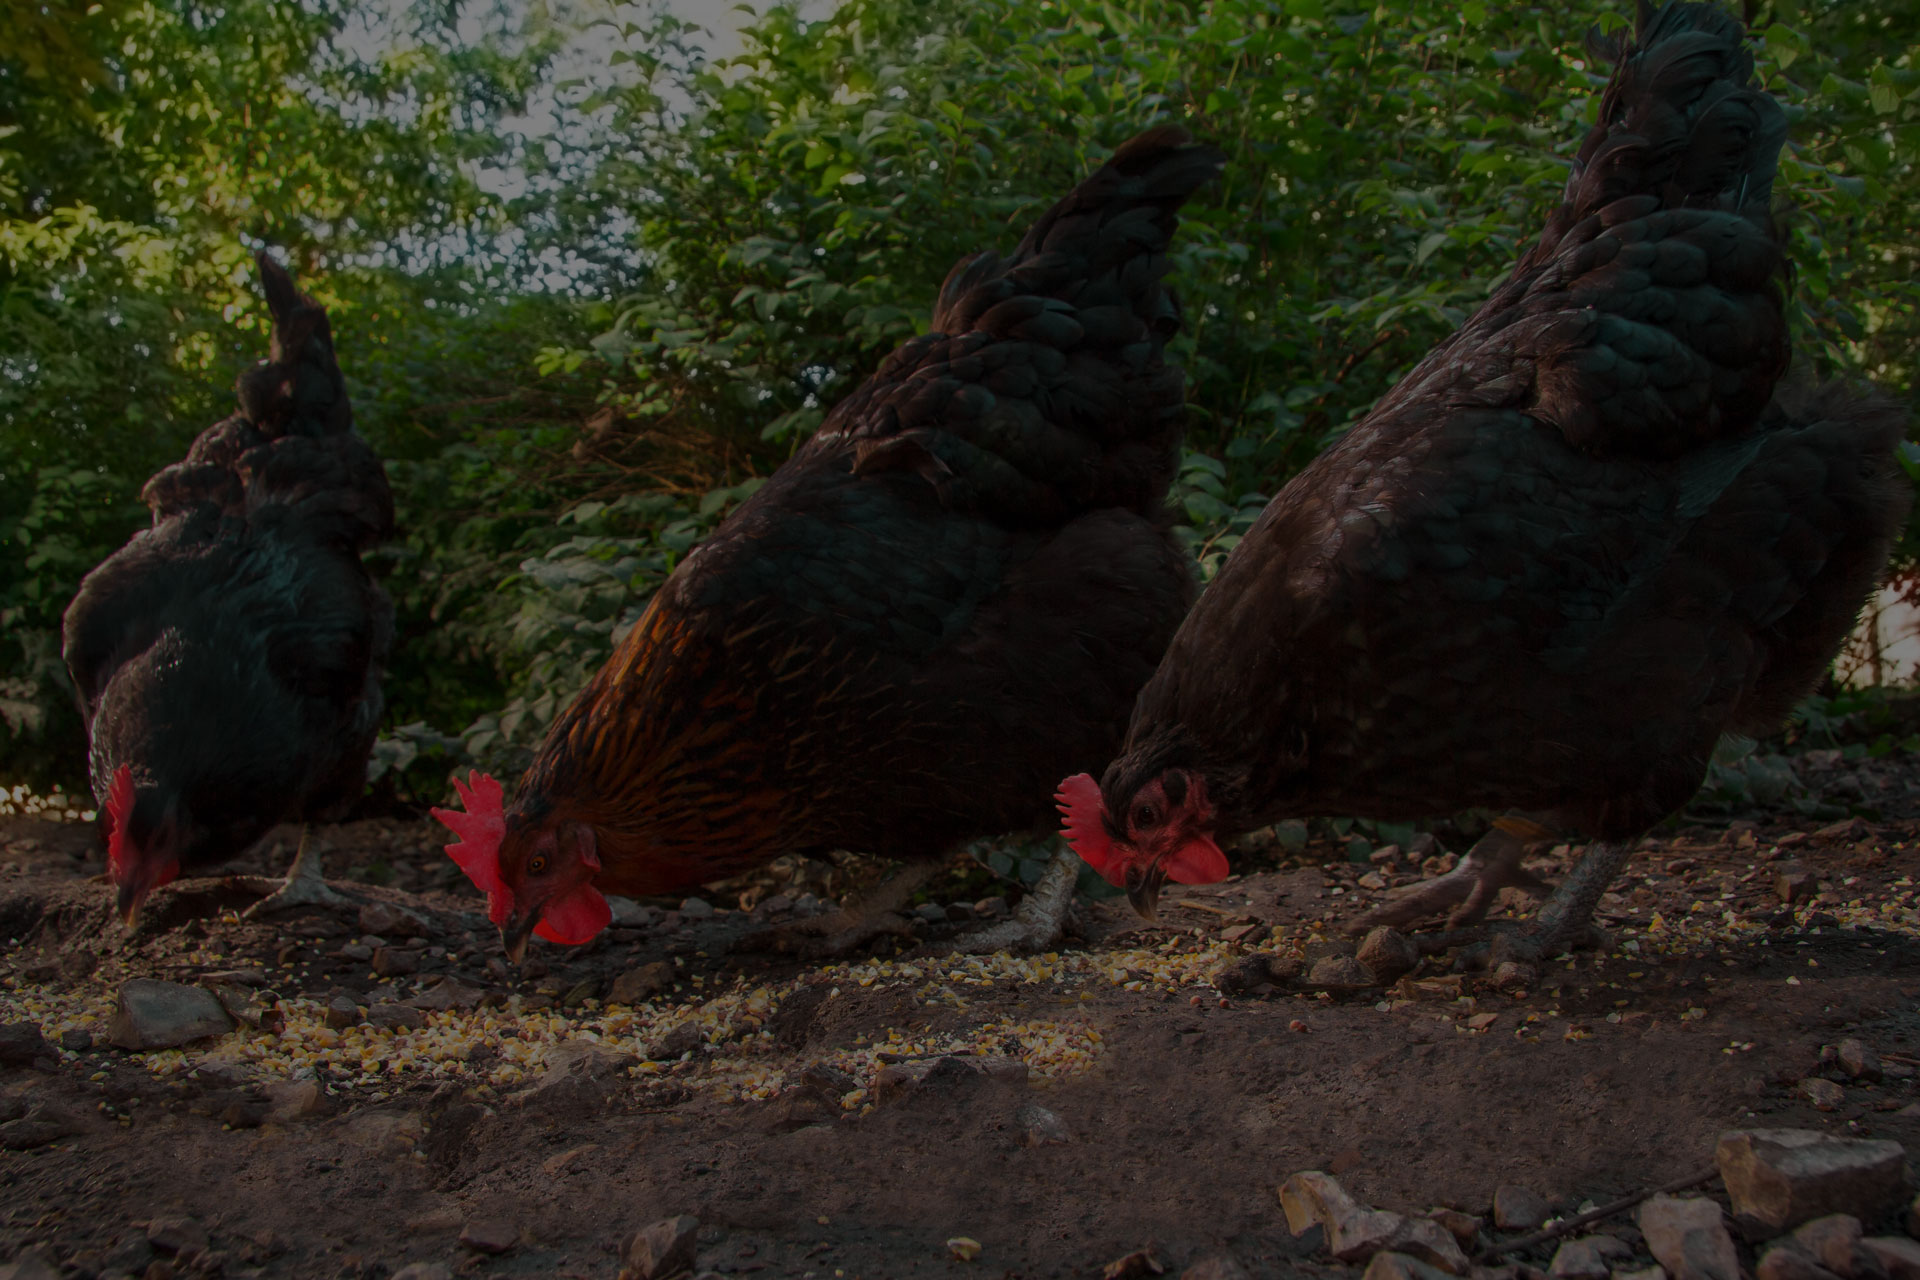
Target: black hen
point(956, 587)
point(228, 658)
point(1587, 536)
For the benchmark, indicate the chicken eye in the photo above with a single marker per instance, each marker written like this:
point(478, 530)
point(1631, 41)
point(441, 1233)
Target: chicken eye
point(1146, 815)
point(537, 864)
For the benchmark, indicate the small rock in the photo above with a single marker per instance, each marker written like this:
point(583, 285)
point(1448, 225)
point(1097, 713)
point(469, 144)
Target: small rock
point(151, 1014)
point(1339, 971)
point(1384, 854)
point(1512, 975)
point(1040, 1127)
point(696, 909)
point(963, 1248)
point(1138, 1265)
point(636, 985)
point(489, 1235)
point(1463, 1227)
point(358, 952)
point(1580, 1260)
point(76, 1040)
point(30, 1264)
point(1451, 987)
point(1641, 1273)
point(1518, 1209)
point(1372, 880)
point(386, 920)
point(130, 1252)
point(1825, 1095)
point(683, 1039)
point(1898, 1255)
point(399, 1017)
point(990, 908)
point(1356, 1233)
point(290, 1100)
point(1793, 883)
point(37, 1128)
point(342, 1013)
point(1387, 954)
point(424, 1271)
point(1388, 1265)
point(1858, 1060)
point(1833, 1242)
point(931, 912)
point(1780, 1178)
point(1218, 1267)
point(1788, 1261)
point(395, 962)
point(448, 994)
point(663, 1248)
point(21, 1044)
point(176, 1235)
point(1688, 1237)
point(1913, 1217)
point(554, 1166)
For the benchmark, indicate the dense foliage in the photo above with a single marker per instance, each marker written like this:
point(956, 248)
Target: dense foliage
point(589, 286)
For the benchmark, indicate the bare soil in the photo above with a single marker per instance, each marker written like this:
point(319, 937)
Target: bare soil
point(550, 1124)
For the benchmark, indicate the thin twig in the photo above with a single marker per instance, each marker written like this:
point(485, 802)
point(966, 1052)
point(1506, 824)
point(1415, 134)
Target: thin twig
point(1604, 1211)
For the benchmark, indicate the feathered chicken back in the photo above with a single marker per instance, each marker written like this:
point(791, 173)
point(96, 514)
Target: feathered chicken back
point(292, 443)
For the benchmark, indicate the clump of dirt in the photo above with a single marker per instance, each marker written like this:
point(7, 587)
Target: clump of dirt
point(391, 1093)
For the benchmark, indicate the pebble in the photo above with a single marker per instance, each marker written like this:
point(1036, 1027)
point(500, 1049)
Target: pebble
point(1141, 1264)
point(1780, 1178)
point(696, 909)
point(1655, 1272)
point(1858, 1060)
point(1356, 1233)
point(963, 1248)
point(663, 1248)
point(30, 1264)
point(1834, 1242)
point(37, 1128)
point(1899, 1255)
point(1788, 1261)
point(1389, 1265)
point(1579, 1260)
point(931, 912)
point(1387, 954)
point(683, 1039)
point(1688, 1236)
point(1219, 1267)
point(1040, 1127)
point(396, 1016)
point(395, 962)
point(489, 1235)
point(446, 995)
point(1913, 1217)
point(342, 1013)
point(21, 1044)
point(1793, 882)
point(1339, 971)
point(290, 1100)
point(1825, 1095)
point(1512, 975)
point(424, 1271)
point(1463, 1227)
point(76, 1040)
point(151, 1014)
point(388, 920)
point(358, 952)
point(637, 985)
point(1518, 1209)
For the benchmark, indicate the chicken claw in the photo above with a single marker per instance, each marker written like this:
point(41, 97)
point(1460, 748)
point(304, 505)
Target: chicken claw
point(305, 886)
point(1036, 923)
point(1467, 892)
point(861, 920)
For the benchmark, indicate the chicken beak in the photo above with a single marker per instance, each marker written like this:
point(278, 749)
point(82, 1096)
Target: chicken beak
point(127, 903)
point(1143, 889)
point(515, 932)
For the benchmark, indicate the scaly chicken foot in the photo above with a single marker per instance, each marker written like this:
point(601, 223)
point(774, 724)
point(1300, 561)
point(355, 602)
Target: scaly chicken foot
point(1037, 922)
point(864, 918)
point(305, 886)
point(1467, 892)
point(1567, 917)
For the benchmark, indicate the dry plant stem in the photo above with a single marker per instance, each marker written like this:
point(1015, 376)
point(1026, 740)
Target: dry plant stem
point(1573, 1224)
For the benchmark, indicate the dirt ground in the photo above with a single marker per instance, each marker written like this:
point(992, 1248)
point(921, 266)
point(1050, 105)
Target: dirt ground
point(527, 1123)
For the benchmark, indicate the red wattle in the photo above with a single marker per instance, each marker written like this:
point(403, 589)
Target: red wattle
point(575, 918)
point(1198, 861)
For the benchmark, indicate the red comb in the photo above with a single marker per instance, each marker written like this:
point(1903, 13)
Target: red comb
point(120, 851)
point(1085, 829)
point(480, 829)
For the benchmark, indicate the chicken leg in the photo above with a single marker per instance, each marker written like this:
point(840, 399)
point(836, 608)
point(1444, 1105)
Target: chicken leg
point(1568, 914)
point(1036, 923)
point(305, 886)
point(1468, 891)
point(859, 920)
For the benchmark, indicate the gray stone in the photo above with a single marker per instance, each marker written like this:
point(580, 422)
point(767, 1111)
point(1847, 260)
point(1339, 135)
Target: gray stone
point(1387, 954)
point(1788, 1261)
point(683, 1039)
point(1518, 1209)
point(1463, 1227)
point(1513, 975)
point(1913, 1217)
point(489, 1235)
point(448, 995)
point(1793, 882)
point(1834, 1243)
point(386, 920)
point(1688, 1236)
point(37, 1128)
point(931, 912)
point(1780, 1178)
point(696, 909)
point(1579, 1260)
point(396, 962)
point(1899, 1256)
point(1389, 1265)
point(1858, 1060)
point(342, 1013)
point(30, 1264)
point(1339, 971)
point(21, 1044)
point(176, 1235)
point(1655, 1272)
point(151, 1014)
point(424, 1271)
point(1040, 1127)
point(290, 1100)
point(1825, 1095)
point(637, 985)
point(664, 1248)
point(1356, 1233)
point(397, 1017)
